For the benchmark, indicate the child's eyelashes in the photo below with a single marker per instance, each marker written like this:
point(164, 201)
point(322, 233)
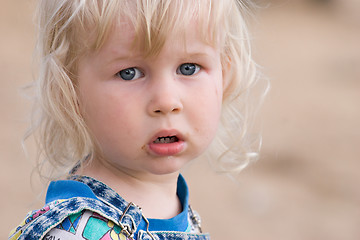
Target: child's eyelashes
point(188, 69)
point(133, 73)
point(129, 74)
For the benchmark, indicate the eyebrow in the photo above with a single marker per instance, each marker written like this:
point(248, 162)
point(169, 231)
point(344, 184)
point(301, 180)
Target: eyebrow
point(121, 57)
point(195, 54)
point(186, 55)
point(183, 54)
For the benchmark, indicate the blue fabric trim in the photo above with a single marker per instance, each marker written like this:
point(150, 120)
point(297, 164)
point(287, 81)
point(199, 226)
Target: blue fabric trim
point(178, 223)
point(66, 189)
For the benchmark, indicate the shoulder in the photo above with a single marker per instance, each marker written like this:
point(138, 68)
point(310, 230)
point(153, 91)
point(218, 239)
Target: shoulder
point(59, 214)
point(30, 219)
point(85, 225)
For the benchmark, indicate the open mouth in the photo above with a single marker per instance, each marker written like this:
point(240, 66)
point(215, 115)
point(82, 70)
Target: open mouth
point(167, 143)
point(169, 139)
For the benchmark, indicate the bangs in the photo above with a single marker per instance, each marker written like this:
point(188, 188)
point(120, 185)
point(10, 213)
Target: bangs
point(153, 21)
point(156, 20)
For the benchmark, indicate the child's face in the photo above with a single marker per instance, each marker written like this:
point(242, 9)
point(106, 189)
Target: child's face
point(151, 115)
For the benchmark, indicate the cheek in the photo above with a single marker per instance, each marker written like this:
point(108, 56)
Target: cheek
point(215, 96)
point(111, 128)
point(208, 110)
point(105, 115)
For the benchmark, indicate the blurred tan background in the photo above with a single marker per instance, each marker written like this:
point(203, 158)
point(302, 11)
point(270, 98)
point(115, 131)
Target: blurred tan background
point(306, 184)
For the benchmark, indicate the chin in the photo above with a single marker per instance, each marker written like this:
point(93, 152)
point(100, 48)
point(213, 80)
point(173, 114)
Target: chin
point(167, 167)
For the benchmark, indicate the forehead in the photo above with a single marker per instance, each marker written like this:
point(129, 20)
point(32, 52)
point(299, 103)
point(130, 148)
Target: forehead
point(125, 37)
point(147, 28)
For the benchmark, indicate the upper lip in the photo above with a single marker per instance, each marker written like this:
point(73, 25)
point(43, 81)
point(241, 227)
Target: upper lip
point(167, 133)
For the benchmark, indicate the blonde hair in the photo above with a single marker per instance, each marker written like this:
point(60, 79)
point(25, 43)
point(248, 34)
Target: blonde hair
point(68, 29)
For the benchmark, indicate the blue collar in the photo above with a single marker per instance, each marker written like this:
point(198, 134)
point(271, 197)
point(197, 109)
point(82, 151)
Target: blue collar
point(87, 187)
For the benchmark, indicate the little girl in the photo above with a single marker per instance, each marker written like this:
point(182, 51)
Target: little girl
point(130, 91)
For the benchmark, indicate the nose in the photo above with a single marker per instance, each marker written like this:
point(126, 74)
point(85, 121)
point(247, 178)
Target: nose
point(165, 98)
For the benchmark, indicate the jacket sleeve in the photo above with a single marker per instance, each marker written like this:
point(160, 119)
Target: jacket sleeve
point(30, 217)
point(85, 225)
point(25, 230)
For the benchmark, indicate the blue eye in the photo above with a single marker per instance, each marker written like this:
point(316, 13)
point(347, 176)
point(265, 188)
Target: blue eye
point(130, 74)
point(188, 69)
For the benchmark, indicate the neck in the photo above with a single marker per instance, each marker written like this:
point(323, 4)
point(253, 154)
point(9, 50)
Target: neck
point(155, 194)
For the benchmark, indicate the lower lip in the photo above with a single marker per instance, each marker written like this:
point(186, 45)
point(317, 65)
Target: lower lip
point(167, 149)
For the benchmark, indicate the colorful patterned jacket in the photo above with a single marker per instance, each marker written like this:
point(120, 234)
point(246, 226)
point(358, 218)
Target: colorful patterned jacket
point(84, 208)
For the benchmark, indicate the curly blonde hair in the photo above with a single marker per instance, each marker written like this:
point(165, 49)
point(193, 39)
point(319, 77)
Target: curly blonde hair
point(65, 30)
